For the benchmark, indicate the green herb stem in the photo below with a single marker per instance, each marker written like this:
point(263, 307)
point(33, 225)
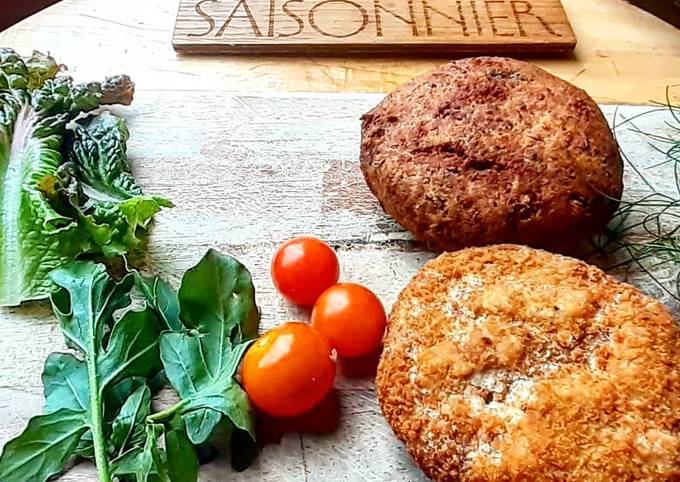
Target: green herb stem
point(98, 439)
point(167, 413)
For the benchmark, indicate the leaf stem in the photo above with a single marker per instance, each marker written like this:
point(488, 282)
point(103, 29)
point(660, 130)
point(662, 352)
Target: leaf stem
point(97, 429)
point(167, 413)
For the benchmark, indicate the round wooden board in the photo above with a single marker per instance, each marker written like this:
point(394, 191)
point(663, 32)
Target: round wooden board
point(245, 177)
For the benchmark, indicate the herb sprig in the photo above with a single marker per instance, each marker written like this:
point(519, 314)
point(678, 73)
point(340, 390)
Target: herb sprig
point(645, 232)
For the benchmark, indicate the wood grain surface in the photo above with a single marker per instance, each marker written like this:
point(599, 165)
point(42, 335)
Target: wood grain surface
point(372, 27)
point(245, 177)
point(624, 55)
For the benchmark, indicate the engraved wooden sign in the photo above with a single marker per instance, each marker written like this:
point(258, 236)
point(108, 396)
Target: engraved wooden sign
point(418, 27)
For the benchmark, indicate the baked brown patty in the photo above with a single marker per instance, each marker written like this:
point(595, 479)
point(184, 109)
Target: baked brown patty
point(508, 363)
point(488, 150)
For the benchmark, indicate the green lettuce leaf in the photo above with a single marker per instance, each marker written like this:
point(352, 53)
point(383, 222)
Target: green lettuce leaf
point(44, 222)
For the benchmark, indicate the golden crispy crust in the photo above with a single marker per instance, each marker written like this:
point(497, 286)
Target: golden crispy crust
point(488, 150)
point(509, 363)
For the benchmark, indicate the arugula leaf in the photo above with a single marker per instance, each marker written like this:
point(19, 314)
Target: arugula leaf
point(43, 448)
point(217, 296)
point(200, 424)
point(98, 399)
point(146, 463)
point(113, 349)
point(217, 304)
point(182, 459)
point(127, 423)
point(85, 301)
point(66, 385)
point(116, 395)
point(161, 297)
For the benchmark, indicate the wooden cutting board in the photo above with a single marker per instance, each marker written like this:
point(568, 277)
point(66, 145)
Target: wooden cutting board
point(415, 27)
point(245, 177)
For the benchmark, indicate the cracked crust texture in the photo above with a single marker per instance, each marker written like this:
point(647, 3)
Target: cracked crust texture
point(509, 363)
point(488, 150)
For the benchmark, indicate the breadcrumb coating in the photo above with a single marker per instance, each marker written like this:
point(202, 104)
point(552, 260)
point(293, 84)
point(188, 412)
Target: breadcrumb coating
point(508, 363)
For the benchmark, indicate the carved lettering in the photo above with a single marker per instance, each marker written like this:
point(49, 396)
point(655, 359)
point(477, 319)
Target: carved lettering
point(378, 19)
point(527, 11)
point(360, 9)
point(475, 14)
point(384, 22)
point(427, 8)
point(270, 29)
point(492, 19)
point(208, 18)
point(300, 23)
point(248, 15)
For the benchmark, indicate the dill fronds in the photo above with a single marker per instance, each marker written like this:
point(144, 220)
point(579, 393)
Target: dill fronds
point(644, 235)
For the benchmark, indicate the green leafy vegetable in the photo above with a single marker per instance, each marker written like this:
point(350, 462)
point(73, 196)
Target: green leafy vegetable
point(110, 206)
point(218, 295)
point(112, 349)
point(160, 295)
point(44, 447)
point(182, 459)
point(217, 303)
point(52, 211)
point(98, 401)
point(126, 426)
point(147, 462)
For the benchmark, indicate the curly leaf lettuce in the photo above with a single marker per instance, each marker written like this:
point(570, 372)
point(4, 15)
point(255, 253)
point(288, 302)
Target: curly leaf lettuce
point(52, 211)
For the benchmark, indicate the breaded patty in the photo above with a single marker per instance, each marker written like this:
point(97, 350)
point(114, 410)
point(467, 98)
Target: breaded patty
point(509, 363)
point(492, 150)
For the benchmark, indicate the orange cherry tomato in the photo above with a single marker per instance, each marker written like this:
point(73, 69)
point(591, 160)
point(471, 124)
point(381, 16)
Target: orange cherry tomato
point(303, 268)
point(352, 317)
point(288, 370)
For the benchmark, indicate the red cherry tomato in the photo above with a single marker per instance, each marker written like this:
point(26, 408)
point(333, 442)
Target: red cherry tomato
point(352, 318)
point(288, 370)
point(303, 268)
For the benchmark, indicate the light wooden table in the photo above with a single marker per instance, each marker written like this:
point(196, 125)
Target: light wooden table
point(624, 54)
